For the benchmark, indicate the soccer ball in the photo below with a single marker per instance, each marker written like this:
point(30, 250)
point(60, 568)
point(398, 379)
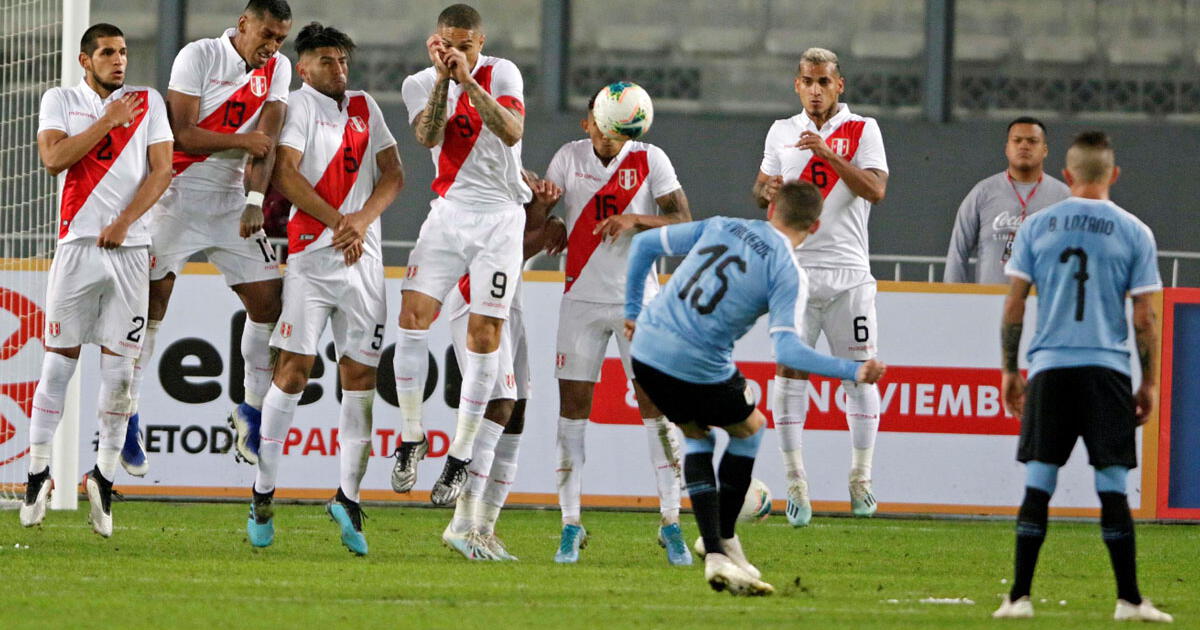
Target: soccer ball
point(623, 111)
point(757, 506)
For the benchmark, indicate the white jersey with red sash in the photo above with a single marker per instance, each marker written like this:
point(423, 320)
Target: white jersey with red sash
point(231, 99)
point(100, 185)
point(339, 145)
point(592, 192)
point(842, 240)
point(474, 167)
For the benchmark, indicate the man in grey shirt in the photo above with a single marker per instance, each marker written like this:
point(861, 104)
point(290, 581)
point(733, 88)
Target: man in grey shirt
point(989, 216)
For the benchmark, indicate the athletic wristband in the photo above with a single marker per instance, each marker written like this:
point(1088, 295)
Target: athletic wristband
point(254, 199)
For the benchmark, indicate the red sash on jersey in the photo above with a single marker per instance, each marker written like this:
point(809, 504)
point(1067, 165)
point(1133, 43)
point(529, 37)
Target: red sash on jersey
point(844, 142)
point(612, 199)
point(462, 130)
point(241, 106)
point(340, 174)
point(464, 287)
point(85, 175)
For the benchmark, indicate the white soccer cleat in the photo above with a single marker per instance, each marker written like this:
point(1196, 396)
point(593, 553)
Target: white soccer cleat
point(799, 508)
point(99, 493)
point(1144, 611)
point(496, 547)
point(723, 574)
point(1020, 609)
point(37, 494)
point(733, 551)
point(470, 544)
point(862, 500)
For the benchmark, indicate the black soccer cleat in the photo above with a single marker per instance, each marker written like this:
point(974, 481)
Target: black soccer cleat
point(454, 476)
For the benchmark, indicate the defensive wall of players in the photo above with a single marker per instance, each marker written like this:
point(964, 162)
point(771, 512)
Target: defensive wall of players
point(947, 445)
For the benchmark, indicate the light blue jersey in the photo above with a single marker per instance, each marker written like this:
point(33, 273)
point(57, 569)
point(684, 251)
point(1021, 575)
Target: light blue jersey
point(1084, 256)
point(735, 270)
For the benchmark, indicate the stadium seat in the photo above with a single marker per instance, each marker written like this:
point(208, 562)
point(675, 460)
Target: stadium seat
point(894, 30)
point(796, 26)
point(981, 31)
point(1144, 33)
point(1057, 31)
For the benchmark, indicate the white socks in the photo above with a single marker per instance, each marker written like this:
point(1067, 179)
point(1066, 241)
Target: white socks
point(354, 439)
point(112, 410)
point(278, 409)
point(789, 404)
point(499, 482)
point(664, 455)
point(143, 361)
point(256, 357)
point(48, 407)
point(570, 466)
point(862, 416)
point(479, 470)
point(411, 363)
point(479, 378)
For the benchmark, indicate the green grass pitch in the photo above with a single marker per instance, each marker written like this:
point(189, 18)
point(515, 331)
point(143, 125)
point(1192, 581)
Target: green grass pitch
point(189, 566)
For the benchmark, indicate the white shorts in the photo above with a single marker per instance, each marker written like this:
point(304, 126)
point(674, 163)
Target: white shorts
point(98, 296)
point(841, 304)
point(485, 244)
point(512, 381)
point(185, 222)
point(583, 332)
point(318, 288)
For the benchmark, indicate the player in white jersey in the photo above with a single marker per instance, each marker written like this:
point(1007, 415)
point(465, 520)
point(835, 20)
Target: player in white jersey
point(339, 166)
point(227, 97)
point(472, 530)
point(113, 142)
point(843, 155)
point(468, 110)
point(612, 189)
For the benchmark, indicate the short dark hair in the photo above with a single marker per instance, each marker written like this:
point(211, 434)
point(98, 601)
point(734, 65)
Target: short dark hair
point(1092, 139)
point(799, 204)
point(1025, 120)
point(460, 16)
point(314, 35)
point(89, 42)
point(278, 9)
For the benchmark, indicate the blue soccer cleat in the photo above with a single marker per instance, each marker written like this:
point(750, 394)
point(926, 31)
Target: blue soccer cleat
point(670, 537)
point(574, 538)
point(260, 526)
point(349, 517)
point(245, 422)
point(133, 454)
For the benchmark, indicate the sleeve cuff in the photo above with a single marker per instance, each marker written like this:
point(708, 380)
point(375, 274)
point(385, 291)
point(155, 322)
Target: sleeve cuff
point(1016, 273)
point(1149, 288)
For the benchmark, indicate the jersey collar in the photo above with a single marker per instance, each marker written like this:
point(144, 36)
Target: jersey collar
point(91, 94)
point(234, 56)
point(326, 100)
point(615, 161)
point(843, 112)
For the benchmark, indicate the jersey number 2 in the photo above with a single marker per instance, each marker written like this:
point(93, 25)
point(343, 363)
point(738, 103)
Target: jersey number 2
point(1081, 276)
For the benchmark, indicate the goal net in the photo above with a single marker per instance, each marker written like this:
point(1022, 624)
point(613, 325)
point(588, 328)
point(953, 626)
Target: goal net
point(31, 54)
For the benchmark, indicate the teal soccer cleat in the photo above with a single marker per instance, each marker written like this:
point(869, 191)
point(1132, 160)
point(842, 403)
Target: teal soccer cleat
point(574, 538)
point(260, 526)
point(349, 517)
point(670, 537)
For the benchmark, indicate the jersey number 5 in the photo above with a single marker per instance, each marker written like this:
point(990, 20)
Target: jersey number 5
point(713, 252)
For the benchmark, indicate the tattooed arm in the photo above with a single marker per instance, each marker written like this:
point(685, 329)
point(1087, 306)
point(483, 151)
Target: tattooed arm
point(430, 125)
point(1144, 318)
point(672, 207)
point(1011, 324)
point(507, 123)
